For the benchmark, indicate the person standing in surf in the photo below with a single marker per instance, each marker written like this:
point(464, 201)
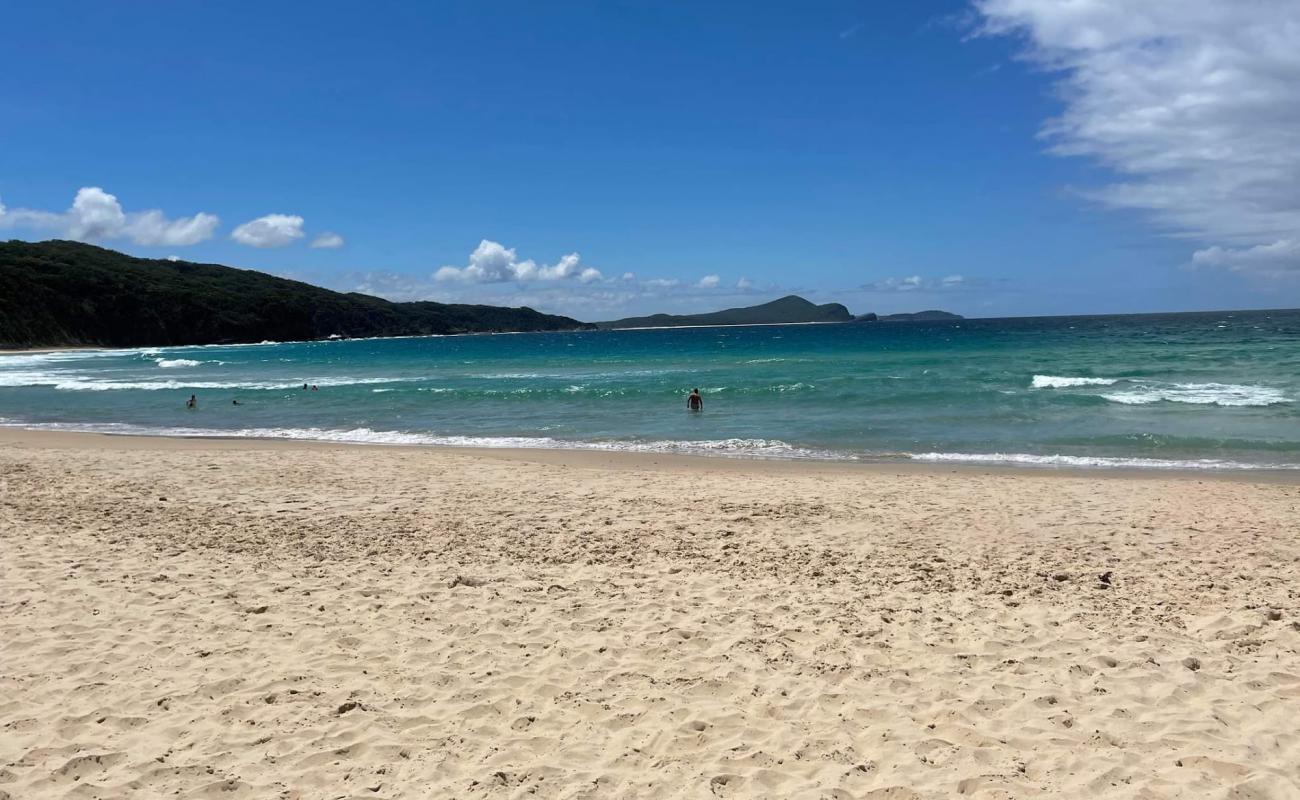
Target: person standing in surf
point(694, 402)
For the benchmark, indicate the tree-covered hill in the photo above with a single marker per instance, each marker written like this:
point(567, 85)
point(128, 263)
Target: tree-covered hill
point(61, 293)
point(790, 308)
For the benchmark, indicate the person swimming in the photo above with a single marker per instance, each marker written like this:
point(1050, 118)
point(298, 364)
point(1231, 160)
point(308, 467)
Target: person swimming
point(694, 402)
point(192, 403)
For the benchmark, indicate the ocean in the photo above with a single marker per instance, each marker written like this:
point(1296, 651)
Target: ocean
point(1217, 390)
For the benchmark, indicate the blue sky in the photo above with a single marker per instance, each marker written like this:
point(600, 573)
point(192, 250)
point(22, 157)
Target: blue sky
point(987, 157)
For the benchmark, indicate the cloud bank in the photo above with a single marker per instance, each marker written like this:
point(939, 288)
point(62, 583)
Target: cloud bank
point(1194, 104)
point(916, 283)
point(1279, 257)
point(96, 215)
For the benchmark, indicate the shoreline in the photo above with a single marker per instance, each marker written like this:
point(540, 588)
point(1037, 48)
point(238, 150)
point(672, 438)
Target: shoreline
point(20, 437)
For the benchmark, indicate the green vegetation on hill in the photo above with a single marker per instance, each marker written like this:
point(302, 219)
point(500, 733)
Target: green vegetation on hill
point(932, 315)
point(790, 308)
point(61, 293)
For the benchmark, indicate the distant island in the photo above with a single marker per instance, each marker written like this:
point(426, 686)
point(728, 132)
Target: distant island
point(919, 316)
point(788, 309)
point(59, 293)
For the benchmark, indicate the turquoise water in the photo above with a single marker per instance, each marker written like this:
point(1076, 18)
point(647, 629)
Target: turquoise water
point(1184, 390)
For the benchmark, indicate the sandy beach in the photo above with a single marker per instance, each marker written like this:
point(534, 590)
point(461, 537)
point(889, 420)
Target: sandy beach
point(203, 618)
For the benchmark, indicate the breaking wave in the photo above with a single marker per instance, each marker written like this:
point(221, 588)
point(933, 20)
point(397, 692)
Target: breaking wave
point(1028, 459)
point(745, 448)
point(1058, 382)
point(1139, 392)
point(1216, 394)
point(79, 383)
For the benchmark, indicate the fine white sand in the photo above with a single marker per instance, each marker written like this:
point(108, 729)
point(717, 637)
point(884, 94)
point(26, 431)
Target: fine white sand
point(243, 619)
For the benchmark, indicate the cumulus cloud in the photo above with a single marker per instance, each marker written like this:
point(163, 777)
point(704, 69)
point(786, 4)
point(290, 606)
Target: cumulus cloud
point(493, 262)
point(272, 230)
point(1194, 105)
point(328, 241)
point(96, 215)
point(709, 282)
point(744, 283)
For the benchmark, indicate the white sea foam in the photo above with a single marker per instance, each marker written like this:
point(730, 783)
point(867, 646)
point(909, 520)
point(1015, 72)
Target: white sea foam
point(1058, 382)
point(746, 448)
point(1138, 392)
point(26, 378)
point(779, 387)
point(58, 356)
point(740, 448)
point(69, 381)
point(1218, 394)
point(171, 363)
point(1028, 459)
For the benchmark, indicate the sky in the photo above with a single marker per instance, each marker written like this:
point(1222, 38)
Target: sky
point(603, 159)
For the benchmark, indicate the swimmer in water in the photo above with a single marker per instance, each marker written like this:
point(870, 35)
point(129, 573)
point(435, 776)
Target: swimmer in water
point(694, 402)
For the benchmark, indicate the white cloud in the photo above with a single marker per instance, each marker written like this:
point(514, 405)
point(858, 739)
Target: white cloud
point(661, 283)
point(1280, 257)
point(272, 230)
point(96, 215)
point(152, 228)
point(896, 284)
point(709, 282)
point(744, 283)
point(629, 276)
point(328, 241)
point(492, 262)
point(1194, 104)
point(917, 283)
point(173, 258)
